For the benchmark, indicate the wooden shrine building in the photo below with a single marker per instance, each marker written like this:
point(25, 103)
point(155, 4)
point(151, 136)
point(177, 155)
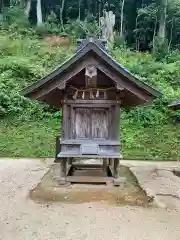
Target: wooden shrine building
point(91, 88)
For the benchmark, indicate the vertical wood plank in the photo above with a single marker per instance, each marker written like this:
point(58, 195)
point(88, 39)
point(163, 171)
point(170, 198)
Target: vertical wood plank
point(111, 122)
point(72, 124)
point(65, 122)
point(82, 123)
point(119, 124)
point(116, 124)
point(100, 122)
point(116, 168)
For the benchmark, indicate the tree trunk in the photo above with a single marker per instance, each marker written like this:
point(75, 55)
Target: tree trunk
point(171, 34)
point(107, 22)
point(99, 13)
point(39, 12)
point(5, 3)
point(154, 34)
point(162, 21)
point(61, 14)
point(27, 8)
point(79, 10)
point(22, 4)
point(122, 17)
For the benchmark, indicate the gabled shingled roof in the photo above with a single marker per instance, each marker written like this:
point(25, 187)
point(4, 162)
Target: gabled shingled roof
point(91, 47)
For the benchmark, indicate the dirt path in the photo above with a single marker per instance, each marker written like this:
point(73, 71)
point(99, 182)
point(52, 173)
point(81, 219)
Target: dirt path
point(21, 218)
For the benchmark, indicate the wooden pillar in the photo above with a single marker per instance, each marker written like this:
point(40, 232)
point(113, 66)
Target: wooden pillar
point(116, 168)
point(63, 168)
point(70, 161)
point(110, 162)
point(105, 166)
point(58, 147)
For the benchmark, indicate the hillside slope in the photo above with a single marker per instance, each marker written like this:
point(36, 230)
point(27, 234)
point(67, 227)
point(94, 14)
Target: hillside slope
point(29, 129)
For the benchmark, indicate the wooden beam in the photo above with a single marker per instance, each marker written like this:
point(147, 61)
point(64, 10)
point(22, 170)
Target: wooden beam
point(65, 123)
point(119, 87)
point(104, 102)
point(121, 82)
point(81, 141)
point(62, 79)
point(87, 166)
point(87, 179)
point(62, 85)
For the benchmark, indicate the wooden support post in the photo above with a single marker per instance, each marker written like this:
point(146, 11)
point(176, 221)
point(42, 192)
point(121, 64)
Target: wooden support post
point(116, 168)
point(110, 161)
point(105, 166)
point(63, 170)
point(70, 161)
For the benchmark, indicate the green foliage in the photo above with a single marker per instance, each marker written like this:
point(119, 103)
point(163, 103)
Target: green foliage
point(29, 128)
point(90, 24)
point(75, 30)
point(50, 27)
point(140, 19)
point(118, 41)
point(158, 142)
point(28, 138)
point(15, 22)
point(160, 48)
point(146, 26)
point(14, 16)
point(22, 62)
point(164, 76)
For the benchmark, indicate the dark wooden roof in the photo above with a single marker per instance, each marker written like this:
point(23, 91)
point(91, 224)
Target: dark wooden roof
point(175, 105)
point(58, 78)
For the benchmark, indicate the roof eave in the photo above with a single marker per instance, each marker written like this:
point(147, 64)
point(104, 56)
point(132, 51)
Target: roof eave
point(26, 91)
point(102, 54)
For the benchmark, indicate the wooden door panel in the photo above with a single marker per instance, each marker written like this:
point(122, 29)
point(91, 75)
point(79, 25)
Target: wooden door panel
point(99, 119)
point(90, 123)
point(82, 123)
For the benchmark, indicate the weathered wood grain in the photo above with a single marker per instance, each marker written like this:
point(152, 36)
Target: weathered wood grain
point(99, 120)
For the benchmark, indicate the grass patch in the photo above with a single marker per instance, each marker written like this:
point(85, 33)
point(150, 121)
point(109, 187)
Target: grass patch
point(28, 139)
point(155, 143)
point(36, 138)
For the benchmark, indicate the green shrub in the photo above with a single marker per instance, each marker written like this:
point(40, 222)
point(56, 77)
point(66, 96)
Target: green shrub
point(14, 15)
point(118, 41)
point(160, 50)
point(22, 62)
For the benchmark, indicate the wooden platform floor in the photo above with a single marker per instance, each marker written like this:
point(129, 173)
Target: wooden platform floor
point(89, 173)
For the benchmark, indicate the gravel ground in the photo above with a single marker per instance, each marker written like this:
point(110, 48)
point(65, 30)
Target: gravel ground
point(158, 180)
point(21, 218)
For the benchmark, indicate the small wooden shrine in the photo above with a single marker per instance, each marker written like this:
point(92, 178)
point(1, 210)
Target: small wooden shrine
point(91, 88)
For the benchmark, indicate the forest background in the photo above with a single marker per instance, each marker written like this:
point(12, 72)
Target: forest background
point(37, 36)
